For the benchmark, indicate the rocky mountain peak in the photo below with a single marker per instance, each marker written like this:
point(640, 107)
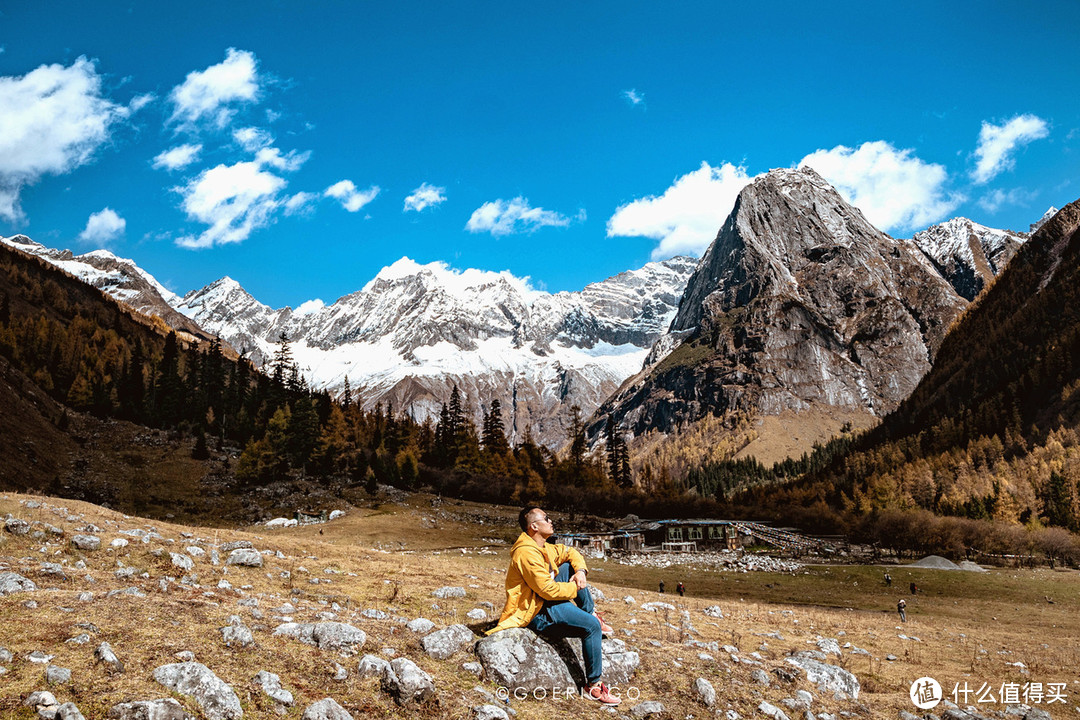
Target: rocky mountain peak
point(1051, 212)
point(967, 254)
point(799, 303)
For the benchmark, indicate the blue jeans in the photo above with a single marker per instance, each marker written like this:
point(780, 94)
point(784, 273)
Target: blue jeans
point(573, 619)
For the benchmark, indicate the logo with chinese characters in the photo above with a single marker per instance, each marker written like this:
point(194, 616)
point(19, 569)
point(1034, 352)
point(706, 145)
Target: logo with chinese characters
point(926, 693)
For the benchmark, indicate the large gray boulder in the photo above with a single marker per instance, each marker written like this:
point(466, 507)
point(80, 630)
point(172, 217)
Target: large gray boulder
point(162, 709)
point(14, 582)
point(326, 709)
point(217, 700)
point(444, 643)
point(341, 637)
point(519, 659)
point(407, 683)
point(828, 678)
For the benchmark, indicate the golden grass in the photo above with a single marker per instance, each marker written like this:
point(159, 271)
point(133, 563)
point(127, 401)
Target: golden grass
point(391, 556)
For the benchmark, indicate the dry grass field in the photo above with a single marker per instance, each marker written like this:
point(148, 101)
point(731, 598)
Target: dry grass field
point(1004, 626)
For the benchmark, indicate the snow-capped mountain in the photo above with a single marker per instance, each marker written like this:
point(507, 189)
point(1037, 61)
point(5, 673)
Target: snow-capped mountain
point(414, 331)
point(967, 254)
point(119, 277)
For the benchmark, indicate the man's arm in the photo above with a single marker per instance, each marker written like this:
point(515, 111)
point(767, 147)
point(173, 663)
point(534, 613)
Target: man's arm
point(534, 571)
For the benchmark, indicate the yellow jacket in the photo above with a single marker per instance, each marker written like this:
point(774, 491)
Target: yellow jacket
point(529, 580)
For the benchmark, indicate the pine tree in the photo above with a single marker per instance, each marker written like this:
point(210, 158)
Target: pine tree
point(494, 438)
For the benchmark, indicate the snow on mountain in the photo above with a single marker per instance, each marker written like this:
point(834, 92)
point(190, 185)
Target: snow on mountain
point(1042, 221)
point(118, 277)
point(968, 254)
point(416, 330)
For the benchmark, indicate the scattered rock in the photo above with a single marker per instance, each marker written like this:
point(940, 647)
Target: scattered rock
point(271, 685)
point(761, 677)
point(489, 712)
point(771, 711)
point(68, 711)
point(448, 591)
point(15, 526)
point(86, 542)
point(236, 545)
point(162, 709)
point(646, 709)
point(326, 709)
point(829, 646)
point(705, 692)
point(828, 678)
point(714, 611)
point(407, 683)
point(237, 635)
point(182, 561)
point(372, 666)
point(246, 557)
point(104, 654)
point(39, 657)
point(473, 667)
point(215, 697)
point(325, 636)
point(14, 582)
point(476, 615)
point(55, 675)
point(421, 626)
point(444, 643)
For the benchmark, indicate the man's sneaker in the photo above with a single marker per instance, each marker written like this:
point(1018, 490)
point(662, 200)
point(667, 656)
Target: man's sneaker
point(605, 629)
point(600, 693)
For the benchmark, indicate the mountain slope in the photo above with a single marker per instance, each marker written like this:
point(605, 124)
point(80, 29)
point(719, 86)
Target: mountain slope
point(118, 277)
point(799, 304)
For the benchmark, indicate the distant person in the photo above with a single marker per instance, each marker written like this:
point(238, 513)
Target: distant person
point(541, 582)
point(661, 587)
point(681, 589)
point(888, 580)
point(900, 608)
point(914, 588)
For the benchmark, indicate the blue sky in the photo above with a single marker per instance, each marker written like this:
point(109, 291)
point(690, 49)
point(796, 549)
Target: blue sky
point(300, 147)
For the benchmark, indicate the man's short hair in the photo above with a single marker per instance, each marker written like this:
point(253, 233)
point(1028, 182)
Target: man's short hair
point(523, 517)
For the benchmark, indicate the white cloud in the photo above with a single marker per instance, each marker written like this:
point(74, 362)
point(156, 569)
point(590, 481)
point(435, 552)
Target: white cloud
point(999, 198)
point(686, 218)
point(290, 161)
point(894, 189)
point(425, 196)
point(253, 139)
point(211, 94)
point(233, 200)
point(309, 307)
point(103, 227)
point(178, 157)
point(53, 119)
point(633, 97)
point(351, 198)
point(506, 217)
point(300, 203)
point(996, 143)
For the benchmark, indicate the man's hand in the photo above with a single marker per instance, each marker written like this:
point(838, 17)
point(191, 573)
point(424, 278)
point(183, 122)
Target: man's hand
point(579, 579)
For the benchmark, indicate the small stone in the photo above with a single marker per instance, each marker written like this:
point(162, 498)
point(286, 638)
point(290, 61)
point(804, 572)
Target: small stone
point(86, 542)
point(449, 591)
point(473, 667)
point(271, 685)
point(706, 693)
point(104, 654)
point(247, 557)
point(421, 626)
point(55, 675)
point(647, 708)
point(326, 709)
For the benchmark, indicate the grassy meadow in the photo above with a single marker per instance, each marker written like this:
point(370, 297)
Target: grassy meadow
point(390, 555)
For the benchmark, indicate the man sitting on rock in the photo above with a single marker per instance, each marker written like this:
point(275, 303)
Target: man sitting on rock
point(541, 582)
